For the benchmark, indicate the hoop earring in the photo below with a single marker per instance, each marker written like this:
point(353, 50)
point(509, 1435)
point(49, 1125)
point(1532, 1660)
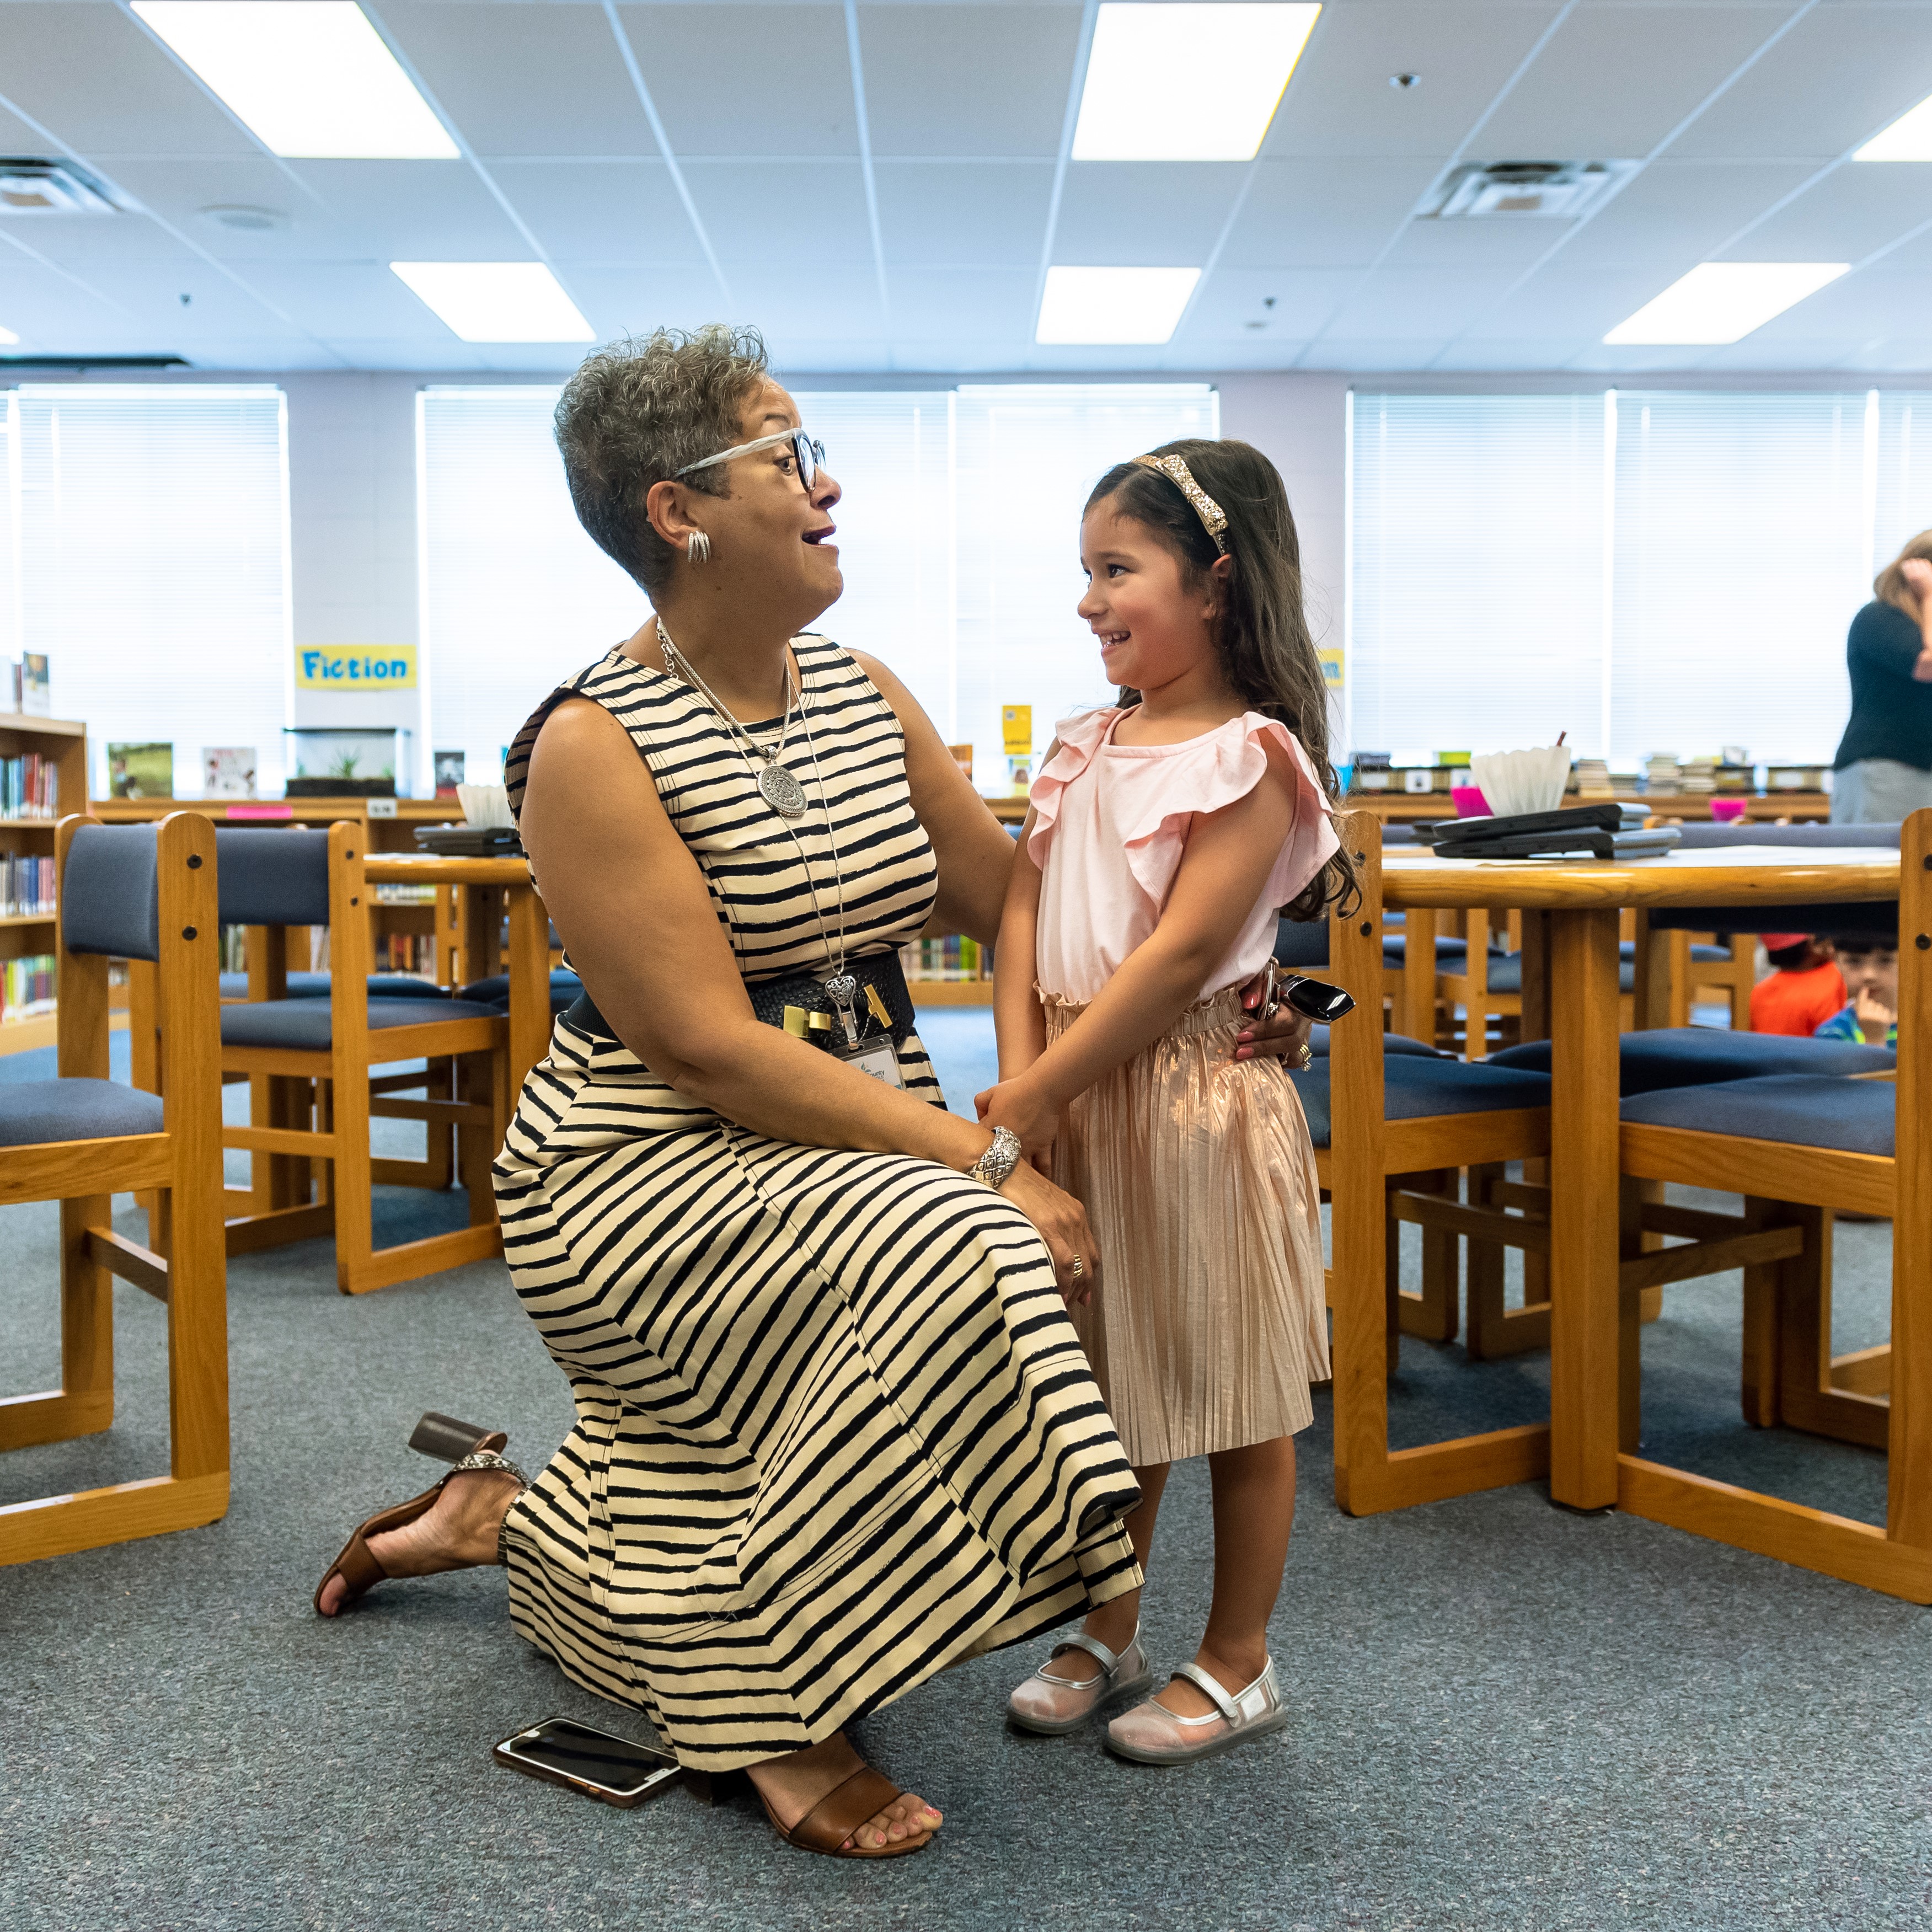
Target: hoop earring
point(698, 547)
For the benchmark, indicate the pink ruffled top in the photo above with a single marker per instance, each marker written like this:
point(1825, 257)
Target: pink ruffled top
point(1110, 827)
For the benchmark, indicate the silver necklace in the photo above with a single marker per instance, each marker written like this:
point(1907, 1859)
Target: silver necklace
point(776, 785)
point(842, 988)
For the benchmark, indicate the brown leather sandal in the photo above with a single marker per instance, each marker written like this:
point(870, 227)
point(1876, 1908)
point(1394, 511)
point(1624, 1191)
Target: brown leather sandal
point(829, 1822)
point(357, 1563)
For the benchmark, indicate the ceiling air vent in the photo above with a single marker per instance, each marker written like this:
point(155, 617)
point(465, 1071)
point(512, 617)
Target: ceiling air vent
point(1483, 190)
point(29, 187)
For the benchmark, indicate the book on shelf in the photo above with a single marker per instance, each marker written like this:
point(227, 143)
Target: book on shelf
point(413, 952)
point(32, 690)
point(29, 787)
point(955, 957)
point(26, 988)
point(228, 771)
point(141, 771)
point(448, 772)
point(26, 887)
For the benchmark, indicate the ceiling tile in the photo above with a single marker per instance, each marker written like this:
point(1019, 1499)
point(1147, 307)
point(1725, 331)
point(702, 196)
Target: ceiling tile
point(410, 212)
point(1675, 213)
point(630, 299)
point(824, 300)
point(1613, 82)
point(748, 80)
point(177, 187)
point(614, 211)
point(1470, 352)
point(1144, 213)
point(809, 214)
point(1325, 214)
point(92, 74)
point(967, 80)
point(333, 299)
point(1876, 301)
point(1498, 241)
point(1401, 304)
point(1339, 101)
point(1231, 298)
point(1394, 356)
point(1839, 77)
point(524, 80)
point(963, 213)
point(1856, 209)
point(979, 305)
point(1567, 300)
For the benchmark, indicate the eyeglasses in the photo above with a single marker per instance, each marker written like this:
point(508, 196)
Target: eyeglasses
point(809, 454)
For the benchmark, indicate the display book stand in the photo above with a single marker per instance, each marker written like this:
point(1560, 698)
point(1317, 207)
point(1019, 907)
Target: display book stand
point(23, 936)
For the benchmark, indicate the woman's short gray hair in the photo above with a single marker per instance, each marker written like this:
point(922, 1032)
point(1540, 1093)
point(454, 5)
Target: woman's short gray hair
point(635, 413)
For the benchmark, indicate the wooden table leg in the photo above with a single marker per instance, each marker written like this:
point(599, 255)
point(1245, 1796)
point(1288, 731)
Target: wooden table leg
point(1583, 1210)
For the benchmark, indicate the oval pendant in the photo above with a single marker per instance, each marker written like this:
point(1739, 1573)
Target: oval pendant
point(782, 792)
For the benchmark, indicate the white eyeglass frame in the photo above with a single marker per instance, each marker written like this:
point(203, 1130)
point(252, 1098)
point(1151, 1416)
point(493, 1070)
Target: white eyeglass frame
point(809, 452)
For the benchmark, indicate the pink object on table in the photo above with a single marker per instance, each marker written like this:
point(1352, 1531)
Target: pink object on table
point(1470, 802)
point(240, 811)
point(1727, 811)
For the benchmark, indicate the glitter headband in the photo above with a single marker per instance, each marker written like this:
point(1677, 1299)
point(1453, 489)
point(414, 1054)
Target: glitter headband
point(1213, 519)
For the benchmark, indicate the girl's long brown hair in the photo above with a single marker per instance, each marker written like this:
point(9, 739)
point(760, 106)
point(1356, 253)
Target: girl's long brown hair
point(1260, 632)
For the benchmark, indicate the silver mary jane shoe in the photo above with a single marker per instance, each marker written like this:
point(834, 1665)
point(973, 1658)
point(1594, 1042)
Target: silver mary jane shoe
point(1051, 1706)
point(1152, 1734)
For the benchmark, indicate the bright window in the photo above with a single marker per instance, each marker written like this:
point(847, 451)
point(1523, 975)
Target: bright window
point(1666, 571)
point(958, 536)
point(153, 548)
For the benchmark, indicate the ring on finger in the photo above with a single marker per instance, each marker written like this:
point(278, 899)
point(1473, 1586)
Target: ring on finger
point(1306, 1056)
point(1079, 1268)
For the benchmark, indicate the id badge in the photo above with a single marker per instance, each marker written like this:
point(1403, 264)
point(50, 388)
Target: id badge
point(877, 1058)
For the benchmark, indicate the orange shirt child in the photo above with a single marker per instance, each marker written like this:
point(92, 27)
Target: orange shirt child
point(1805, 987)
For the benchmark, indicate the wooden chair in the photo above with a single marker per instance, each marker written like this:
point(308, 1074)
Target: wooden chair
point(315, 1057)
point(1377, 1119)
point(1796, 1148)
point(143, 892)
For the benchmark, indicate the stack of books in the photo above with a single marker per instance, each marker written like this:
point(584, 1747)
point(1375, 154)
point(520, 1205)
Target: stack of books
point(29, 788)
point(1698, 776)
point(1662, 775)
point(26, 988)
point(1590, 778)
point(26, 888)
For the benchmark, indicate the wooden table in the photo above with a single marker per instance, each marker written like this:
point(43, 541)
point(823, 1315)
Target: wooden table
point(490, 886)
point(1569, 996)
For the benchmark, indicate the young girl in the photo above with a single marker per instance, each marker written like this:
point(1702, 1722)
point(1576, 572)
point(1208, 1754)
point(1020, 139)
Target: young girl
point(1163, 836)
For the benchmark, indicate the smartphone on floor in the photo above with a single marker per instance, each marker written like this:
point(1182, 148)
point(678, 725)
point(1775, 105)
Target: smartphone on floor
point(613, 1770)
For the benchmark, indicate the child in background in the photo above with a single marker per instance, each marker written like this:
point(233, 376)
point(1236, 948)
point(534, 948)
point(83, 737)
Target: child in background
point(1804, 988)
point(1165, 833)
point(1870, 968)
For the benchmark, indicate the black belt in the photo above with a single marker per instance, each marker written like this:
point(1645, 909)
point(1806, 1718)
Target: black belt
point(881, 971)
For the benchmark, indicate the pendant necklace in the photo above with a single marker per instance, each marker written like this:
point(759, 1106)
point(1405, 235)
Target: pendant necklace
point(776, 786)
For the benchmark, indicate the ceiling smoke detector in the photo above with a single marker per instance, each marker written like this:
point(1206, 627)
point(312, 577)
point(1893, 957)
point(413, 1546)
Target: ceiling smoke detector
point(244, 221)
point(1561, 190)
point(32, 186)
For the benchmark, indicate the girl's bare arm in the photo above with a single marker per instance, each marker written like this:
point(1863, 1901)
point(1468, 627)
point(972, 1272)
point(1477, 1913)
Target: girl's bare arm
point(1018, 1020)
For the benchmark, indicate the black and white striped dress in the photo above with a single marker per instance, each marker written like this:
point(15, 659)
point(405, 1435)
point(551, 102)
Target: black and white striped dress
point(835, 1431)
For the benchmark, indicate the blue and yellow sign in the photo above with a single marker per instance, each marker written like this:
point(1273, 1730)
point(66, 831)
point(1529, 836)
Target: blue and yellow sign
point(356, 667)
point(1332, 663)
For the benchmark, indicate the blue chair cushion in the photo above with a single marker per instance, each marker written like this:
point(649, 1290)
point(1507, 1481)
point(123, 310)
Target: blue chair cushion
point(1395, 949)
point(267, 875)
point(1392, 1042)
point(315, 986)
point(1672, 1057)
point(33, 1111)
point(565, 987)
point(1506, 974)
point(1802, 1109)
point(1415, 1089)
point(110, 893)
point(305, 1024)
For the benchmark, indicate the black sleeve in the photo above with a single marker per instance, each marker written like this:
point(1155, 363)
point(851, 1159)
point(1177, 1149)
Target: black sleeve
point(1884, 638)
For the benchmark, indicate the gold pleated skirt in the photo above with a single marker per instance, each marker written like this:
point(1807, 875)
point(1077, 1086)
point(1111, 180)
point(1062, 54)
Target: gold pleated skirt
point(1198, 1178)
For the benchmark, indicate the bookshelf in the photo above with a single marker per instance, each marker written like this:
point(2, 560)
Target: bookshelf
point(62, 742)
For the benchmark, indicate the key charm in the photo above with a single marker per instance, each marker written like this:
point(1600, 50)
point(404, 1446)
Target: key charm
point(842, 988)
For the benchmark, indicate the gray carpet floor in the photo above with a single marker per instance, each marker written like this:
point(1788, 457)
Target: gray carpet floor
point(1504, 1715)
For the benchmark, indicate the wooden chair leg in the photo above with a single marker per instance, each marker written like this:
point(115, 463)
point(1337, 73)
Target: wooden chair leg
point(1809, 1395)
point(83, 1405)
point(1495, 1331)
point(1758, 1386)
point(1432, 1315)
point(1630, 1321)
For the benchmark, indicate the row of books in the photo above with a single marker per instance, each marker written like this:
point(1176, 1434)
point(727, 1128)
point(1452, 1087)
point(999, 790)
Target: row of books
point(26, 888)
point(29, 788)
point(955, 957)
point(26, 987)
point(406, 952)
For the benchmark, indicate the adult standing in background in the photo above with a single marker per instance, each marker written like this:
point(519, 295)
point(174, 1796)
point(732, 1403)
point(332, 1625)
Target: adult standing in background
point(1884, 765)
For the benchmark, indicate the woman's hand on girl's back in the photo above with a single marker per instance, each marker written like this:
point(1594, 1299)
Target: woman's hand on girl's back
point(1060, 1222)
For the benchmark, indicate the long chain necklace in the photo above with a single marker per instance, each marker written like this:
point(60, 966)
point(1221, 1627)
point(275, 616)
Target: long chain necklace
point(840, 987)
point(776, 785)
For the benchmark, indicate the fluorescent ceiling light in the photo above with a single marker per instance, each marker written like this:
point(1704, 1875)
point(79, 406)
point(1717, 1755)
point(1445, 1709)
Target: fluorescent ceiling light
point(1908, 138)
point(1721, 301)
point(7, 335)
point(498, 301)
point(311, 78)
point(1104, 305)
point(1186, 83)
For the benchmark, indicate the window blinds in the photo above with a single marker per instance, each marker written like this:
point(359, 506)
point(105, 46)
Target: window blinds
point(1476, 568)
point(1741, 537)
point(153, 537)
point(891, 452)
point(1901, 479)
point(514, 596)
point(1027, 456)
